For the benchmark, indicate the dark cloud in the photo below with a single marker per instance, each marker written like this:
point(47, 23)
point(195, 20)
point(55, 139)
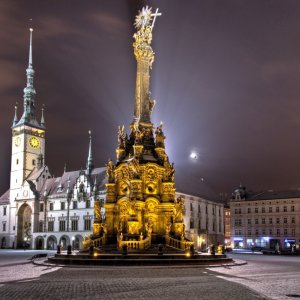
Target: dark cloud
point(225, 77)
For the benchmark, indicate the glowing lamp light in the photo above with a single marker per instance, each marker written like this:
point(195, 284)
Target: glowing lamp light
point(193, 155)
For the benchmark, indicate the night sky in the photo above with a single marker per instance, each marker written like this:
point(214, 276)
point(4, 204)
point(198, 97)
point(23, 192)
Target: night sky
point(226, 80)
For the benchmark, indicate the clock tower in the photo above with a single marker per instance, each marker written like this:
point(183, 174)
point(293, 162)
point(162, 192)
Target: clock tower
point(28, 138)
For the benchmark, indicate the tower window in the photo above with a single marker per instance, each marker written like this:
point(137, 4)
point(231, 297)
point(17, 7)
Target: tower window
point(41, 206)
point(33, 162)
point(4, 226)
point(17, 161)
point(4, 210)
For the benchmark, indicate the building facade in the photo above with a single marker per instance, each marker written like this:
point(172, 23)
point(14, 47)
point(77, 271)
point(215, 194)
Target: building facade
point(204, 221)
point(265, 220)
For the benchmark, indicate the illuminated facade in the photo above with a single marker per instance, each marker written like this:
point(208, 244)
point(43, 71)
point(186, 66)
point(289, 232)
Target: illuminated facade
point(265, 220)
point(204, 221)
point(141, 207)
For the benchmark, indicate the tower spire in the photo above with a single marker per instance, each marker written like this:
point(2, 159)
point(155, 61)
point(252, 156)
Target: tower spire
point(29, 113)
point(90, 160)
point(42, 118)
point(15, 121)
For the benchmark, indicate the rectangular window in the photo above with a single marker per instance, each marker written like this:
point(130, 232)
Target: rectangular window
point(33, 162)
point(249, 221)
point(199, 224)
point(17, 161)
point(284, 209)
point(270, 220)
point(277, 220)
point(285, 231)
point(206, 209)
point(41, 225)
point(51, 226)
point(293, 220)
point(62, 205)
point(278, 232)
point(75, 204)
point(263, 210)
point(292, 208)
point(264, 231)
point(285, 220)
point(74, 225)
point(191, 206)
point(263, 221)
point(4, 226)
point(256, 221)
point(270, 209)
point(4, 210)
point(87, 224)
point(249, 210)
point(256, 231)
point(199, 209)
point(277, 208)
point(51, 206)
point(249, 232)
point(62, 225)
point(191, 223)
point(271, 231)
point(256, 210)
point(41, 206)
point(293, 232)
point(88, 203)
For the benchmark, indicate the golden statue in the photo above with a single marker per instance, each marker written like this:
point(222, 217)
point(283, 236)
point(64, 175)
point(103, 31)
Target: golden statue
point(140, 207)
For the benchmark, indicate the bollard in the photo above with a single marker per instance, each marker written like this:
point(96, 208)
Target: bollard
point(58, 249)
point(213, 249)
point(124, 249)
point(160, 249)
point(91, 250)
point(69, 249)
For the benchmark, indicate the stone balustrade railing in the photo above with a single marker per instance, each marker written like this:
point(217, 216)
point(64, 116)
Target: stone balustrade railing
point(136, 245)
point(179, 244)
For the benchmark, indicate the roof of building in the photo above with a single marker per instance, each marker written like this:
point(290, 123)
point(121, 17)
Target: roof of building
point(269, 195)
point(4, 199)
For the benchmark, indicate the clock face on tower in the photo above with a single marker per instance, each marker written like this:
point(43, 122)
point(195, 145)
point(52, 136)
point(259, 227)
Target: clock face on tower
point(34, 142)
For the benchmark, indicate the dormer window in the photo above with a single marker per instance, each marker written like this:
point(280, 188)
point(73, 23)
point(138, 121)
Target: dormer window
point(60, 188)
